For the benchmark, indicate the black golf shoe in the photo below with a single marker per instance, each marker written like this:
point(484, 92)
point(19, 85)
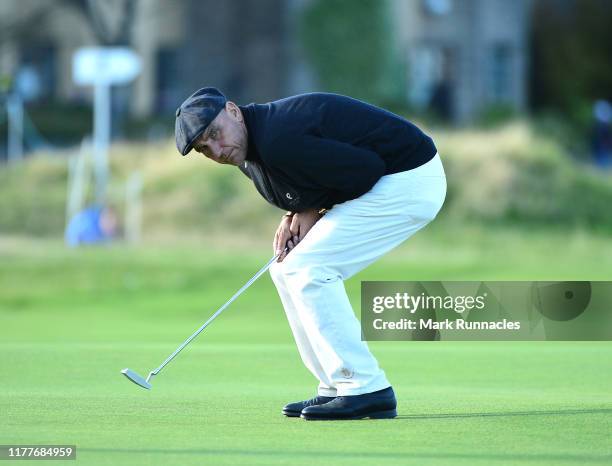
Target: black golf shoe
point(375, 405)
point(295, 409)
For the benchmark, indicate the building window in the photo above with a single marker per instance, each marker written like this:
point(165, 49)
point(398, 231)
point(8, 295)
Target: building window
point(438, 7)
point(35, 78)
point(501, 73)
point(432, 80)
point(167, 80)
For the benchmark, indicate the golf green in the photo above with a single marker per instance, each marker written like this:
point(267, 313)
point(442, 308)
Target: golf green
point(70, 321)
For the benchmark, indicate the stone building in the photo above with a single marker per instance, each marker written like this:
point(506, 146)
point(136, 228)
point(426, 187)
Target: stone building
point(464, 56)
point(183, 44)
point(461, 56)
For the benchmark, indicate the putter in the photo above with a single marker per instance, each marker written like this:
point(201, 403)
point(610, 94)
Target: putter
point(146, 383)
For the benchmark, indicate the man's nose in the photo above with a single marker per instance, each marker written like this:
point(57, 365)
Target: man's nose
point(215, 149)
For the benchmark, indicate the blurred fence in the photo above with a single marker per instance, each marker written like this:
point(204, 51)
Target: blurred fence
point(507, 175)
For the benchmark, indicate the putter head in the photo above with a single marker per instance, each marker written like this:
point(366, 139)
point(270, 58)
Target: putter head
point(137, 379)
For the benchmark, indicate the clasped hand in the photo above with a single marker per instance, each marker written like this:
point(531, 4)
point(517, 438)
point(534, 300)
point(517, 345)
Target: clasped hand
point(292, 230)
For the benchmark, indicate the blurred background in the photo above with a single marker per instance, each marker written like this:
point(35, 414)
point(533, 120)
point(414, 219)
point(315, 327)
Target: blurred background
point(515, 94)
point(114, 248)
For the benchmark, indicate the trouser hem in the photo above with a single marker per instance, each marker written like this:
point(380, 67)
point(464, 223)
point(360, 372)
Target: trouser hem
point(372, 387)
point(327, 392)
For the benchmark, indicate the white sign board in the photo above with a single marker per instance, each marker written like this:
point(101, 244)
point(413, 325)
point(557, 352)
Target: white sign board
point(105, 65)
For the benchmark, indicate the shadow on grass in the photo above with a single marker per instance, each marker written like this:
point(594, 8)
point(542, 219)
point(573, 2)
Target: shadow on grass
point(560, 412)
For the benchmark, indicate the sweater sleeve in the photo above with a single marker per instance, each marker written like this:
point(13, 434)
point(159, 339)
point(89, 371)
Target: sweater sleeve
point(345, 170)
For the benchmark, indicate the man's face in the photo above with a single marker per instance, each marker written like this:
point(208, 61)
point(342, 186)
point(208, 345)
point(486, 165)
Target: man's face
point(225, 139)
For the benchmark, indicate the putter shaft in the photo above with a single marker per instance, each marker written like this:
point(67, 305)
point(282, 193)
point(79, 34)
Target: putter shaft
point(213, 317)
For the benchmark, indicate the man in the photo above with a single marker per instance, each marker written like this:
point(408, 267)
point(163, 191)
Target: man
point(356, 181)
point(93, 225)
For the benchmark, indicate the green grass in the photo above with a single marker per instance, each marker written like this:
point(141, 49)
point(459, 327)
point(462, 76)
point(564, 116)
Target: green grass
point(70, 320)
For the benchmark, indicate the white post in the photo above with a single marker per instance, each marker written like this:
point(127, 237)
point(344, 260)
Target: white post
point(102, 111)
point(133, 208)
point(103, 67)
point(77, 180)
point(14, 108)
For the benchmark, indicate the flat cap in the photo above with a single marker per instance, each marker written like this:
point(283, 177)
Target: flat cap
point(195, 114)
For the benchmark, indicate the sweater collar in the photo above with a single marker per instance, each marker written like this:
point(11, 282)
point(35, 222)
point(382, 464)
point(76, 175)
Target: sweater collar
point(248, 113)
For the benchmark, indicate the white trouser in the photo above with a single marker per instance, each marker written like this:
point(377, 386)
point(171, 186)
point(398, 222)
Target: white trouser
point(344, 241)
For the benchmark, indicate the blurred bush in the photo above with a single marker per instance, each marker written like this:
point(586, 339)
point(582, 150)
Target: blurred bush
point(62, 124)
point(495, 115)
point(512, 175)
point(570, 57)
point(503, 175)
point(575, 139)
point(349, 44)
point(33, 197)
point(50, 123)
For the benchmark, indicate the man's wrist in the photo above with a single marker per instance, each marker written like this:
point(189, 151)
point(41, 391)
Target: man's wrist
point(318, 211)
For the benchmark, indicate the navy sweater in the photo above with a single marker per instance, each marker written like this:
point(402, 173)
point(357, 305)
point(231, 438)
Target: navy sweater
point(316, 150)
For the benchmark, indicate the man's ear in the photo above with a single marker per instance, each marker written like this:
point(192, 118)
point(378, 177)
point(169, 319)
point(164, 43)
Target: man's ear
point(233, 110)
